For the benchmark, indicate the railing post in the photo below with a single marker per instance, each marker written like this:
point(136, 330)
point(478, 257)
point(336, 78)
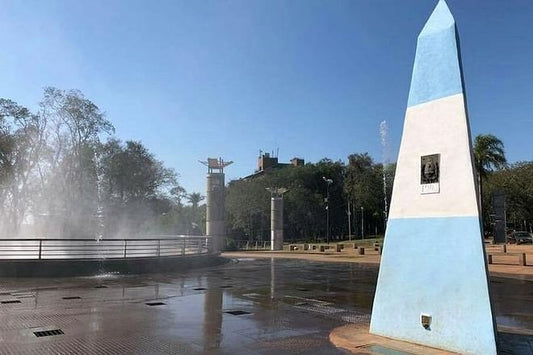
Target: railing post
point(158, 247)
point(125, 247)
point(182, 246)
point(40, 248)
point(199, 246)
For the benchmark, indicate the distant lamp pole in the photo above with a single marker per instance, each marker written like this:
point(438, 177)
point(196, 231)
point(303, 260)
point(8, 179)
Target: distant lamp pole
point(362, 222)
point(328, 182)
point(349, 222)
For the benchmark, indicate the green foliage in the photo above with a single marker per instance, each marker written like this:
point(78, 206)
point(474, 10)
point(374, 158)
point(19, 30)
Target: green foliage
point(248, 201)
point(516, 181)
point(22, 146)
point(194, 199)
point(133, 186)
point(364, 187)
point(68, 170)
point(488, 154)
point(130, 172)
point(55, 170)
point(364, 182)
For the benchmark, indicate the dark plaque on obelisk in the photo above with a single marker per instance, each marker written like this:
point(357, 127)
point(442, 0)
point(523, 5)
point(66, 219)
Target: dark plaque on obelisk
point(430, 174)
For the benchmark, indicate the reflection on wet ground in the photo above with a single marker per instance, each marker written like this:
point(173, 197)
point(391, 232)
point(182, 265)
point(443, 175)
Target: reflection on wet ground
point(246, 306)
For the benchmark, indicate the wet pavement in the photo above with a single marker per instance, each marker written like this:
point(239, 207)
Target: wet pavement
point(267, 306)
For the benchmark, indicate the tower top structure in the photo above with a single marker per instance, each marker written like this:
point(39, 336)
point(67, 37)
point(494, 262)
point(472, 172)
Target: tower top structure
point(277, 191)
point(215, 165)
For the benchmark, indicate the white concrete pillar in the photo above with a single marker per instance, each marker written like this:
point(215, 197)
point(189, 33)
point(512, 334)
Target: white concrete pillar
point(215, 212)
point(276, 223)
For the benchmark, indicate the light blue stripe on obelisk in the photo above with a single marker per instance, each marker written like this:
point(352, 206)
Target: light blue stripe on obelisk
point(437, 70)
point(432, 268)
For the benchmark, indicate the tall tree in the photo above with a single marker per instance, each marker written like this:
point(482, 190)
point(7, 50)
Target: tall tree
point(70, 180)
point(134, 186)
point(22, 144)
point(516, 181)
point(364, 187)
point(178, 193)
point(489, 155)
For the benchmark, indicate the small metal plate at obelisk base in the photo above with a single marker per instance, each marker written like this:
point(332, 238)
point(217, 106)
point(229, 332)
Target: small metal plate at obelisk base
point(430, 174)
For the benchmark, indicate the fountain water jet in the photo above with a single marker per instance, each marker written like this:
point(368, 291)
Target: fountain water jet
point(384, 135)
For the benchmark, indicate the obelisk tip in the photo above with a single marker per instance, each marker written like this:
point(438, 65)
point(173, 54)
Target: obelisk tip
point(441, 19)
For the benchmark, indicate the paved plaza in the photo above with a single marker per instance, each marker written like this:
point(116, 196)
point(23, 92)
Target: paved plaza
point(267, 306)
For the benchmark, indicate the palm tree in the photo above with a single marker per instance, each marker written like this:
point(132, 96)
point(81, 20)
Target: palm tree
point(195, 198)
point(488, 155)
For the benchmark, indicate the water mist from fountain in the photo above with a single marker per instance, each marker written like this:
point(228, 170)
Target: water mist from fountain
point(384, 133)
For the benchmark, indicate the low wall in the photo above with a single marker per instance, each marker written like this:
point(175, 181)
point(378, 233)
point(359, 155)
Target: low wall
point(86, 267)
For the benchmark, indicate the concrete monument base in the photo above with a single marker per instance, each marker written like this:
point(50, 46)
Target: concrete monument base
point(356, 338)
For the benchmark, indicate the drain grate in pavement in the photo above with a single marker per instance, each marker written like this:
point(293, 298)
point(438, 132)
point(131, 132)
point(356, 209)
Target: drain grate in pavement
point(302, 289)
point(226, 286)
point(100, 286)
point(199, 288)
point(47, 333)
point(10, 301)
point(237, 313)
point(72, 298)
point(155, 303)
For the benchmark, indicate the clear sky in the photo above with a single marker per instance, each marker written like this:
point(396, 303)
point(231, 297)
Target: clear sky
point(196, 79)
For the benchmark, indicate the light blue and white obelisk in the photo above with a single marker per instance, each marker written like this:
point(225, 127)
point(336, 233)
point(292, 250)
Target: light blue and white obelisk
point(433, 286)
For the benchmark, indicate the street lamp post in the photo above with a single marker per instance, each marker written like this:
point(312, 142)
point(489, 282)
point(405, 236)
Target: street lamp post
point(362, 222)
point(349, 222)
point(328, 182)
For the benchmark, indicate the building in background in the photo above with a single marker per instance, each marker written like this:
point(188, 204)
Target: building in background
point(269, 161)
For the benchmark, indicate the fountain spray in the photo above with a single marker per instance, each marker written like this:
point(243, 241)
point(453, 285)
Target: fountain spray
point(383, 133)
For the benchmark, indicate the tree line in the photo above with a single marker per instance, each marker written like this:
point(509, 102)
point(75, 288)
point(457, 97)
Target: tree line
point(64, 175)
point(514, 180)
point(357, 192)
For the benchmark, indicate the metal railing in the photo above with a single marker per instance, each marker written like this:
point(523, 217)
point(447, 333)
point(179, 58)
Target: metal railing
point(160, 246)
point(255, 245)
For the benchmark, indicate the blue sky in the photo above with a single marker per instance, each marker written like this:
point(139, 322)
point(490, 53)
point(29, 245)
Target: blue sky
point(197, 79)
